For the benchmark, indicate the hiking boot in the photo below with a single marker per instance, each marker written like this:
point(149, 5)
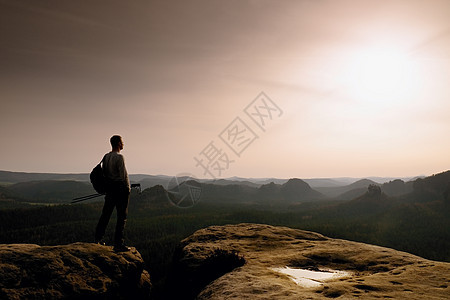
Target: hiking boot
point(121, 248)
point(100, 242)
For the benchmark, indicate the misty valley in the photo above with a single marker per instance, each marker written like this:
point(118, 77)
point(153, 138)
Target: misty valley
point(410, 216)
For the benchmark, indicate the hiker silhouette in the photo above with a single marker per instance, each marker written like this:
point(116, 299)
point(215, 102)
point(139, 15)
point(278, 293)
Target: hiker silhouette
point(117, 194)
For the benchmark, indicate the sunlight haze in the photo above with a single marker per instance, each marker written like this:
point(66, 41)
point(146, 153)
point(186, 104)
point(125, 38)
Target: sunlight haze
point(351, 88)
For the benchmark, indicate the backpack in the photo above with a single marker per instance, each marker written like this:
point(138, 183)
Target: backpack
point(98, 179)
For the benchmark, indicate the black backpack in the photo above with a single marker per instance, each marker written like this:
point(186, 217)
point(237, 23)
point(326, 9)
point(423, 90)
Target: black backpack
point(98, 179)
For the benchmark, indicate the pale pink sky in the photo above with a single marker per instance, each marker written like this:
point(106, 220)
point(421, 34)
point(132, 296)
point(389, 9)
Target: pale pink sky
point(362, 86)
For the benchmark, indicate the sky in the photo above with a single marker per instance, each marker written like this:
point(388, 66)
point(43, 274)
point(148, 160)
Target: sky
point(256, 88)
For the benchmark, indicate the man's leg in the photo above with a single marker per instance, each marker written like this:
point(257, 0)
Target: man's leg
point(122, 212)
point(108, 208)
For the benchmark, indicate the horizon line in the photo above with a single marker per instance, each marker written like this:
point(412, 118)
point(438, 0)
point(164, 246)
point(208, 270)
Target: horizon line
point(235, 177)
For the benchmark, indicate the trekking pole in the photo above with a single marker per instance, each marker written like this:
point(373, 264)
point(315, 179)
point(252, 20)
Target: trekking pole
point(79, 199)
point(83, 198)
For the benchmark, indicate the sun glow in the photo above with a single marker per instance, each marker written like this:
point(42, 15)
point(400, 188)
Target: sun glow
point(381, 75)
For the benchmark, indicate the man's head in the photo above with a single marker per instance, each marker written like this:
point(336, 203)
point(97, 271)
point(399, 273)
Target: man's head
point(116, 142)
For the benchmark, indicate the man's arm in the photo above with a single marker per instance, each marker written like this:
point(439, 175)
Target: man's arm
point(123, 172)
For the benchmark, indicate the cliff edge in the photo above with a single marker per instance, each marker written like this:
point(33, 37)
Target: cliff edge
point(74, 271)
point(252, 261)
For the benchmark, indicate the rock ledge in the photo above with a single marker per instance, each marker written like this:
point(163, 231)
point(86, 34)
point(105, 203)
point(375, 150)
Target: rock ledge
point(376, 272)
point(80, 270)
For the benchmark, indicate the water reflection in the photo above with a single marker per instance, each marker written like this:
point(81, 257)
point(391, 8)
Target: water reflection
point(308, 278)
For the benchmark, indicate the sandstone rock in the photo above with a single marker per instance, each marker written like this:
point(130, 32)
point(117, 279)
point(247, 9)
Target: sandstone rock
point(375, 272)
point(75, 271)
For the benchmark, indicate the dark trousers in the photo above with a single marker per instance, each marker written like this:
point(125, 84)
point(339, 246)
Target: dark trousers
point(116, 196)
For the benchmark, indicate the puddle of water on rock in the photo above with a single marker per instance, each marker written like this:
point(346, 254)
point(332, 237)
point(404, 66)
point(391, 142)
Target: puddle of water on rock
point(308, 278)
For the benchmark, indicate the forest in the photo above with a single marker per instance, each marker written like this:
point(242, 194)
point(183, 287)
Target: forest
point(416, 222)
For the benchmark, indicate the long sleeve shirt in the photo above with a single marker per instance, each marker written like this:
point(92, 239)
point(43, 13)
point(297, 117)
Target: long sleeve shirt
point(114, 168)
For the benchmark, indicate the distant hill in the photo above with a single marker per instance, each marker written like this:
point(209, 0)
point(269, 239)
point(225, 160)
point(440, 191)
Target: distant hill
point(7, 177)
point(333, 192)
point(297, 190)
point(392, 188)
point(293, 191)
point(397, 187)
point(8, 201)
point(228, 182)
point(15, 177)
point(372, 201)
point(394, 195)
point(149, 180)
point(258, 181)
point(432, 188)
point(49, 191)
point(323, 182)
point(37, 187)
point(352, 194)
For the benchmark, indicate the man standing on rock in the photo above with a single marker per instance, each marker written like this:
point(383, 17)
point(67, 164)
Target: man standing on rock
point(117, 194)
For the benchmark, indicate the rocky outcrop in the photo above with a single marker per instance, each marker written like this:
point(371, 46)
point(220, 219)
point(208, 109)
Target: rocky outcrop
point(75, 271)
point(240, 262)
point(374, 190)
